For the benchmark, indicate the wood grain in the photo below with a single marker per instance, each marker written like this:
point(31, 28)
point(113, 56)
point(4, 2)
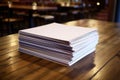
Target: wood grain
point(103, 66)
point(111, 71)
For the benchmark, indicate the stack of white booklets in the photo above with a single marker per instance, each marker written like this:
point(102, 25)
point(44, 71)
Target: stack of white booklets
point(58, 42)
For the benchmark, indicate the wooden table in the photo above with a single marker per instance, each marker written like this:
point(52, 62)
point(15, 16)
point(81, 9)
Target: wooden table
point(3, 4)
point(19, 66)
point(29, 8)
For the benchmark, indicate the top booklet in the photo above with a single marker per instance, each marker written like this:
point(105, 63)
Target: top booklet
point(59, 33)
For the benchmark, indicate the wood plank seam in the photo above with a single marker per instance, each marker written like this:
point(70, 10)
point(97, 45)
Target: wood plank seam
point(102, 67)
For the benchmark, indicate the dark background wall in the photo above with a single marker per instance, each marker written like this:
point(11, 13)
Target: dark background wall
point(117, 17)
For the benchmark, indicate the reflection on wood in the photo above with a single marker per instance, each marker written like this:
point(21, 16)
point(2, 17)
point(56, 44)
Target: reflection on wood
point(18, 66)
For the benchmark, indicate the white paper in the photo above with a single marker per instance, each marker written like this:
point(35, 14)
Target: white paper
point(59, 32)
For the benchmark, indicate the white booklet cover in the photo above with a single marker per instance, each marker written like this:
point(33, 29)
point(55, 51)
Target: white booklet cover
point(59, 32)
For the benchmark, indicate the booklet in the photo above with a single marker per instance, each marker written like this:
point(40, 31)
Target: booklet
point(58, 32)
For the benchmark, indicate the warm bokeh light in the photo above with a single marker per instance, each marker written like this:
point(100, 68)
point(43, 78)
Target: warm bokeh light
point(9, 4)
point(98, 3)
point(34, 7)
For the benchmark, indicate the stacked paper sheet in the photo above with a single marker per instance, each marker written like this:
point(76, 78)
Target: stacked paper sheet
point(58, 43)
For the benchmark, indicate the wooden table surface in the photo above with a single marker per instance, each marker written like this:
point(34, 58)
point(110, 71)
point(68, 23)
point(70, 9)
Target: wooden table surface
point(27, 8)
point(30, 7)
point(2, 4)
point(19, 66)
